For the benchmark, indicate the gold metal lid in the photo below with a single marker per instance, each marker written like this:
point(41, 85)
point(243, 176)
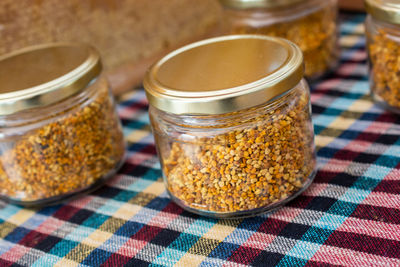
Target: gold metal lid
point(224, 74)
point(42, 75)
point(385, 10)
point(245, 4)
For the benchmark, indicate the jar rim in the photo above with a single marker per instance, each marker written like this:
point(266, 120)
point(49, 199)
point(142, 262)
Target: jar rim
point(224, 74)
point(388, 10)
point(42, 75)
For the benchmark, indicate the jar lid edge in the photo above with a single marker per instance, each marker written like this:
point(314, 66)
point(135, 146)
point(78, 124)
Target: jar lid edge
point(388, 11)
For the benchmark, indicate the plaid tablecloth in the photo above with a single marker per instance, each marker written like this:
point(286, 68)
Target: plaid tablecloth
point(349, 216)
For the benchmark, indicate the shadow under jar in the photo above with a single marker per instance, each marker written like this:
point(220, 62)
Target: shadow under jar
point(311, 24)
point(232, 124)
point(383, 43)
point(59, 131)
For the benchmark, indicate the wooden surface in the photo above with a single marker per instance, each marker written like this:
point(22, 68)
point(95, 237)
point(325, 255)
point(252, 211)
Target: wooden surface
point(355, 5)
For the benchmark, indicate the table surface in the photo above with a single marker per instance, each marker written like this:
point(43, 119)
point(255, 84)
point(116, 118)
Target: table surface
point(349, 216)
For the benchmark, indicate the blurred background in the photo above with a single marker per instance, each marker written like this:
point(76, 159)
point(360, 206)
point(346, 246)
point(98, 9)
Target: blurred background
point(130, 34)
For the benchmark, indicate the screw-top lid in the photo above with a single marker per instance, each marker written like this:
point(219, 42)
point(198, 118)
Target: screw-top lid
point(224, 74)
point(385, 10)
point(245, 4)
point(45, 74)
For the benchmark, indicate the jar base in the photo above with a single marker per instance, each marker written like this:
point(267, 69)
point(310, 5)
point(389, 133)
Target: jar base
point(51, 201)
point(383, 104)
point(244, 213)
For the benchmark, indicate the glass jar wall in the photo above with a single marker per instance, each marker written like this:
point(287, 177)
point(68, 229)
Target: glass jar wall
point(311, 24)
point(383, 43)
point(240, 163)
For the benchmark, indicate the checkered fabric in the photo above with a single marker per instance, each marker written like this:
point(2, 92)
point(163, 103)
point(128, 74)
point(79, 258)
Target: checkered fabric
point(349, 216)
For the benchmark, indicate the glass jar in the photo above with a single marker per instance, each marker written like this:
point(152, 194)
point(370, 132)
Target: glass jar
point(311, 24)
point(383, 43)
point(60, 134)
point(232, 125)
